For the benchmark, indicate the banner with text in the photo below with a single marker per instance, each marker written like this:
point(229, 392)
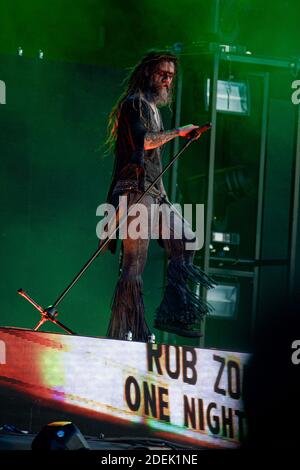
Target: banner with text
point(190, 393)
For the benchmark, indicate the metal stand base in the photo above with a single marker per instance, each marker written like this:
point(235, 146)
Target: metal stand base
point(47, 314)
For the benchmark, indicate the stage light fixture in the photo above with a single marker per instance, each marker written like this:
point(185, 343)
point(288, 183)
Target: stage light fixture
point(224, 298)
point(60, 435)
point(226, 238)
point(232, 96)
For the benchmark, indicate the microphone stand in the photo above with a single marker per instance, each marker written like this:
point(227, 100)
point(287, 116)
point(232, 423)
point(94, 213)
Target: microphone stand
point(50, 313)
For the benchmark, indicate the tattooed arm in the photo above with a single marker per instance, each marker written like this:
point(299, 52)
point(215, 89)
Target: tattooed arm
point(157, 139)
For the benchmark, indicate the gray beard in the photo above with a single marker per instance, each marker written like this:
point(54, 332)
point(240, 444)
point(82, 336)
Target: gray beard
point(163, 97)
point(160, 96)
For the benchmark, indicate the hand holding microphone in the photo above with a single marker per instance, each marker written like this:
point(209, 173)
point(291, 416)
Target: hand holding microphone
point(193, 132)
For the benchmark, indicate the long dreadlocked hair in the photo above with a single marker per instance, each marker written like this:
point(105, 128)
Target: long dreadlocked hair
point(137, 82)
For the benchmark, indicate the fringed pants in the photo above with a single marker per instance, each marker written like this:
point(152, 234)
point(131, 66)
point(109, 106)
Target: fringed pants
point(180, 304)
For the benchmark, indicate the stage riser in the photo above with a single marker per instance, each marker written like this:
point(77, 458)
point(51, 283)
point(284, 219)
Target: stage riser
point(188, 394)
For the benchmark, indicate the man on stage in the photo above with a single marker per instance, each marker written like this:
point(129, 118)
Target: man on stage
point(136, 135)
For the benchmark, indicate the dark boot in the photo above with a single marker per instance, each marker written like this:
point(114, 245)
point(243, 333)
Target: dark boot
point(181, 310)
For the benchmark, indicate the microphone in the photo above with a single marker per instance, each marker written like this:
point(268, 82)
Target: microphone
point(196, 133)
